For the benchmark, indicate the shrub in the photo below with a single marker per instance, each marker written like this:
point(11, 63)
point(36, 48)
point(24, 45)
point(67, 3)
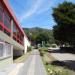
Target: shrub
point(47, 45)
point(43, 50)
point(53, 45)
point(52, 70)
point(36, 46)
point(29, 49)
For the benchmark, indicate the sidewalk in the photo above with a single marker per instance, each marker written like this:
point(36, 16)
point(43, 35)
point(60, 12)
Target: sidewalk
point(32, 66)
point(11, 69)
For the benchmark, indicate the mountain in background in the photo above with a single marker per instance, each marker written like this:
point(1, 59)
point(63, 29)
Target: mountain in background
point(39, 34)
point(36, 30)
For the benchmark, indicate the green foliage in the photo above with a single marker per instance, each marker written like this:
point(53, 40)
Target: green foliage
point(42, 50)
point(36, 47)
point(64, 16)
point(53, 45)
point(29, 49)
point(47, 45)
point(42, 37)
point(52, 70)
point(39, 35)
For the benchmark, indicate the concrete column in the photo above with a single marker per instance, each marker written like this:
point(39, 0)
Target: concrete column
point(12, 37)
point(25, 45)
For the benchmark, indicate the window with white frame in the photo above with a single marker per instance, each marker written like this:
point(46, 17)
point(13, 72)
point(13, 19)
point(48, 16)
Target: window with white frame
point(5, 50)
point(8, 49)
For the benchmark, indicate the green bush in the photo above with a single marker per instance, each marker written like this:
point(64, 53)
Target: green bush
point(36, 46)
point(52, 70)
point(47, 45)
point(43, 50)
point(41, 53)
point(53, 45)
point(29, 49)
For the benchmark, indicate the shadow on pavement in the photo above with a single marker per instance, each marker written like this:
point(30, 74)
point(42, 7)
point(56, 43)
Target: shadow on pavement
point(69, 64)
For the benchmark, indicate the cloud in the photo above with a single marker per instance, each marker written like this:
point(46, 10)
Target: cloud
point(37, 7)
point(31, 11)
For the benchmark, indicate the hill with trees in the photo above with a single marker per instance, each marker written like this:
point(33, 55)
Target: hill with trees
point(39, 36)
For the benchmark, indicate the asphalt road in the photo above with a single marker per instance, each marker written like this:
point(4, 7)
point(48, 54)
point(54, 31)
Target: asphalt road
point(33, 65)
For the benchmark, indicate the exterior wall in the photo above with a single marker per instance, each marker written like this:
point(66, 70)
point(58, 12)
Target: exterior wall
point(8, 39)
point(5, 62)
point(9, 25)
point(10, 32)
point(17, 53)
point(24, 51)
point(6, 54)
point(26, 44)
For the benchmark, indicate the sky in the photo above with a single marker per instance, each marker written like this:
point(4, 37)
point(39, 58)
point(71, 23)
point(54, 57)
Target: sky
point(35, 13)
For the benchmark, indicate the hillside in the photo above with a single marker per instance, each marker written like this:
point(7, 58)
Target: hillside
point(35, 33)
point(36, 30)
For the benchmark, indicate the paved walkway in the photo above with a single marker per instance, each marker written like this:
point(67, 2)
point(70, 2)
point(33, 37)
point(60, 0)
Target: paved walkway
point(11, 69)
point(33, 65)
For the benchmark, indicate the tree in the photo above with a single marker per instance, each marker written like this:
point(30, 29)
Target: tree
point(64, 16)
point(42, 37)
point(39, 35)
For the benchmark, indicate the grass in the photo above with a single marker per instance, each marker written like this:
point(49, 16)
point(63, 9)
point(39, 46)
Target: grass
point(53, 69)
point(22, 58)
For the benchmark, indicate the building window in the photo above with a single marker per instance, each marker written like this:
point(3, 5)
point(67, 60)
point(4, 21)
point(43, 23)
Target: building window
point(5, 50)
point(1, 12)
point(14, 29)
point(0, 27)
point(5, 31)
point(7, 20)
point(8, 49)
point(17, 33)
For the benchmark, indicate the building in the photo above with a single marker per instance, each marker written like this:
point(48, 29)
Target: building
point(12, 36)
point(27, 44)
